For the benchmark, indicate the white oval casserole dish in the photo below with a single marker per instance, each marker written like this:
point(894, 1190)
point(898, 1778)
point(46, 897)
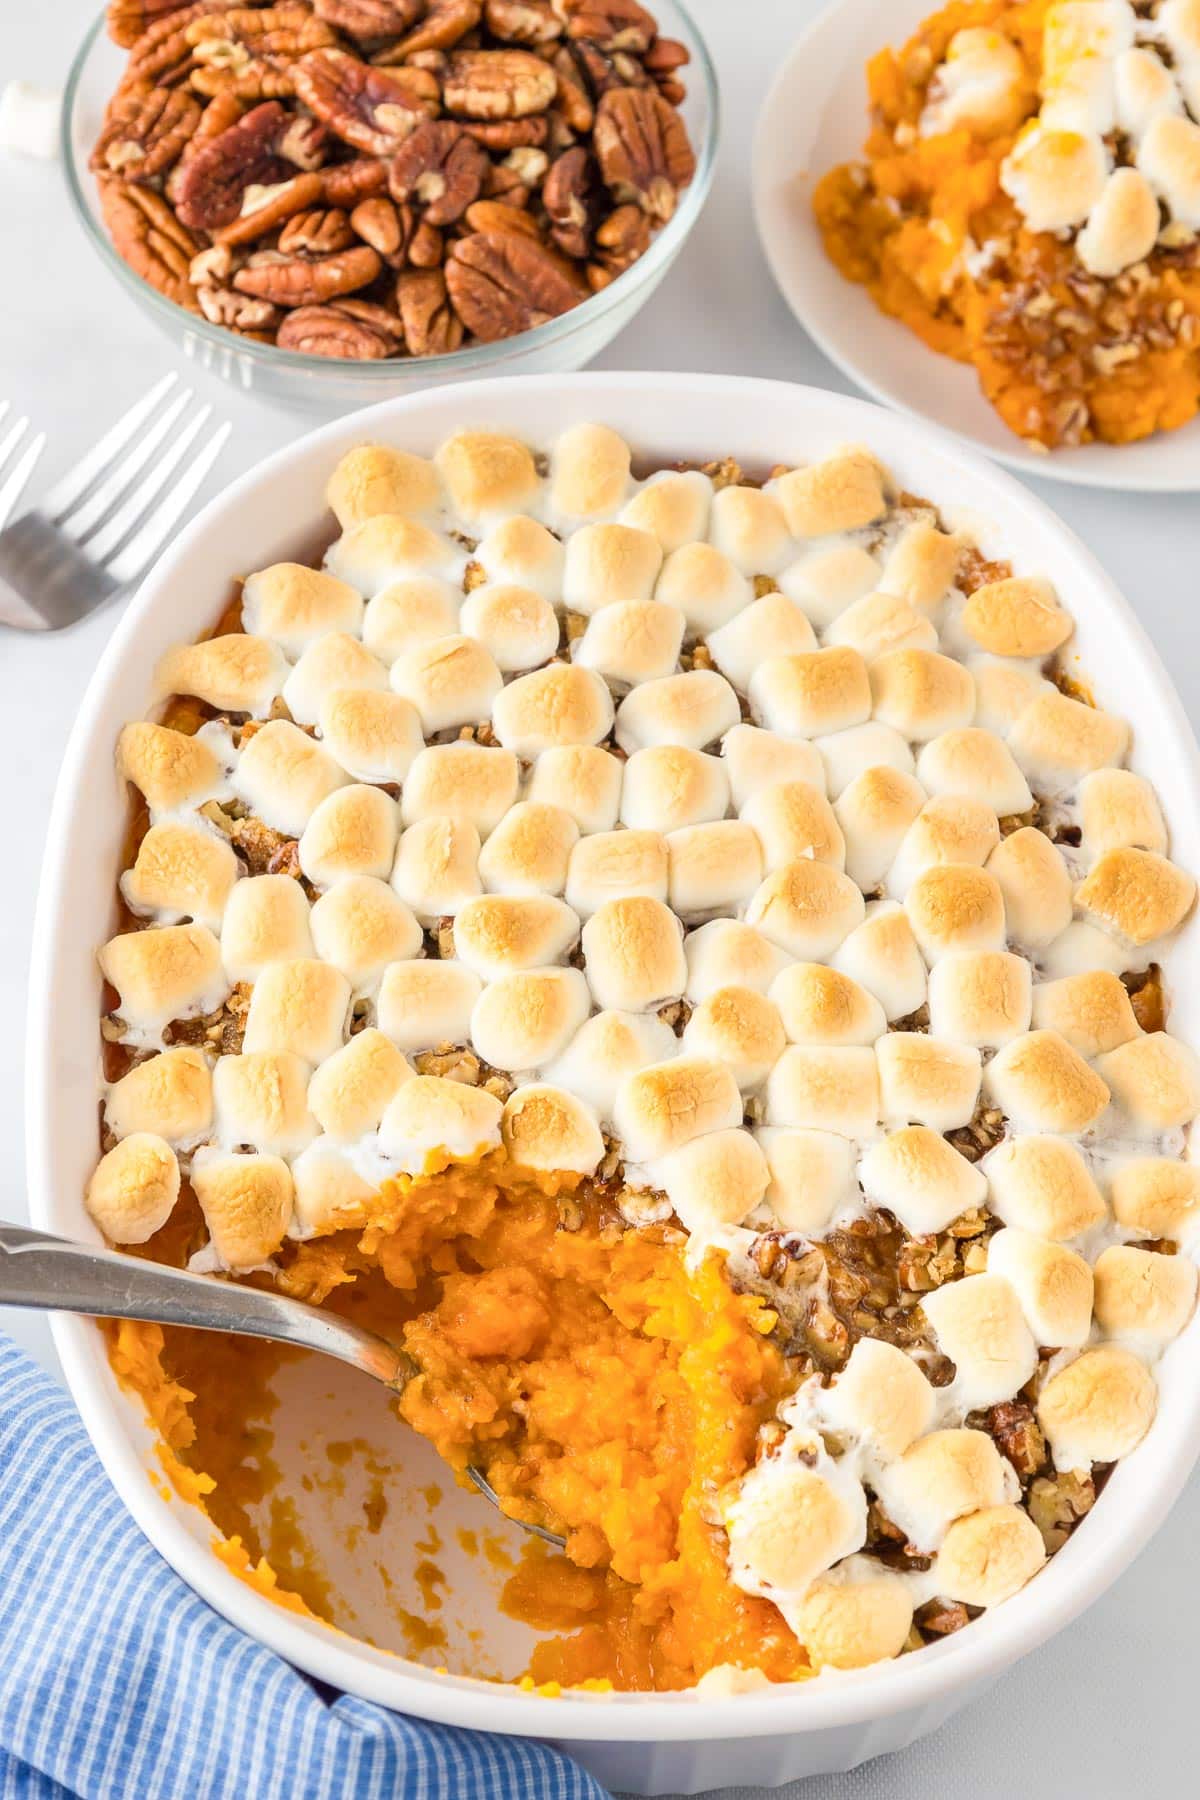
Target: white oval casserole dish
point(641, 1743)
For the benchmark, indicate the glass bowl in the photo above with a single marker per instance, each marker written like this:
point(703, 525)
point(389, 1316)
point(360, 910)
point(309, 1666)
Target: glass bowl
point(321, 385)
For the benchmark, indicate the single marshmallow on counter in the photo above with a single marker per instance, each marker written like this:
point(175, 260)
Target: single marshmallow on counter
point(952, 828)
point(529, 851)
point(820, 1005)
point(694, 709)
point(1098, 1408)
point(1042, 1185)
point(266, 921)
point(181, 871)
point(164, 973)
point(882, 955)
point(989, 1556)
point(983, 998)
point(430, 1122)
point(824, 582)
point(427, 1003)
point(488, 477)
point(826, 1088)
point(1053, 1284)
point(925, 1181)
point(1136, 895)
point(927, 1080)
point(589, 473)
point(608, 1047)
point(475, 783)
point(376, 478)
point(352, 832)
point(757, 759)
point(726, 953)
point(788, 1523)
point(631, 641)
point(169, 1096)
point(771, 626)
point(407, 613)
point(374, 736)
point(605, 563)
point(352, 1089)
point(525, 1020)
point(247, 1206)
point(295, 606)
point(1155, 1084)
point(451, 681)
point(1091, 1010)
point(133, 1188)
point(664, 1106)
point(812, 1176)
point(1055, 176)
point(614, 865)
point(633, 954)
point(875, 811)
point(521, 552)
point(1035, 884)
point(557, 707)
point(546, 1128)
point(334, 662)
point(811, 693)
point(29, 120)
point(518, 628)
point(706, 587)
point(283, 776)
point(1119, 810)
point(360, 925)
point(238, 673)
point(437, 867)
point(497, 934)
point(673, 506)
point(712, 1181)
point(171, 769)
point(842, 492)
point(712, 868)
point(741, 1028)
point(388, 547)
point(667, 787)
point(881, 1397)
point(853, 752)
point(980, 1326)
point(942, 1477)
point(748, 526)
point(299, 1006)
point(260, 1102)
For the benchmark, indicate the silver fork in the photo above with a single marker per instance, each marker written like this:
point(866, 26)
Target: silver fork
point(101, 526)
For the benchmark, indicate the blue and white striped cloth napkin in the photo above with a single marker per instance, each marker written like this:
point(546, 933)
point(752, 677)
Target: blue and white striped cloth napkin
point(117, 1682)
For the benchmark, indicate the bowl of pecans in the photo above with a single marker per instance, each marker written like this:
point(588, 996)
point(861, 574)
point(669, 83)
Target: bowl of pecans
point(333, 201)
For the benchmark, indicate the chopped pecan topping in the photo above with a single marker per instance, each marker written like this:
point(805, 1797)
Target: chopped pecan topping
point(1014, 1426)
point(501, 283)
point(497, 84)
point(940, 1617)
point(432, 327)
point(335, 331)
point(643, 149)
point(296, 282)
point(151, 239)
point(366, 107)
point(440, 169)
point(1057, 1503)
point(216, 177)
point(145, 133)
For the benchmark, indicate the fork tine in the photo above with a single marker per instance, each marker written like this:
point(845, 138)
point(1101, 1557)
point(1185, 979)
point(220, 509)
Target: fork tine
point(147, 542)
point(10, 491)
point(12, 437)
point(117, 484)
point(75, 483)
point(137, 503)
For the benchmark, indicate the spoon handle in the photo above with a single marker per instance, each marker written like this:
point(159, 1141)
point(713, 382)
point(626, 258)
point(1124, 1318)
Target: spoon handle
point(53, 1273)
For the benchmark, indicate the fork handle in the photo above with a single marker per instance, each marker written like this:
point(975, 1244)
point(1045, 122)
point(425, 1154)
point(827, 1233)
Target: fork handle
point(46, 581)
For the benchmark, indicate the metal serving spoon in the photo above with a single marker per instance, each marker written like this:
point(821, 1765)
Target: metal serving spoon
point(59, 1276)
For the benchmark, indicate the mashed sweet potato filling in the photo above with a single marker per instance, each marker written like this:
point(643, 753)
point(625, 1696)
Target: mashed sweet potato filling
point(607, 1391)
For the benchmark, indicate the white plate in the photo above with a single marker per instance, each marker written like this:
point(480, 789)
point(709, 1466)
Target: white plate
point(814, 117)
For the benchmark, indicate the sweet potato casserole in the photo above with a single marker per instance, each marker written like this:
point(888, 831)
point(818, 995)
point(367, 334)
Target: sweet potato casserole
point(679, 953)
point(1029, 202)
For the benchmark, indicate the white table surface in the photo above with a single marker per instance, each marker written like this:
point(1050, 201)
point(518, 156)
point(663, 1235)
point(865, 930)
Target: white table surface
point(1109, 1706)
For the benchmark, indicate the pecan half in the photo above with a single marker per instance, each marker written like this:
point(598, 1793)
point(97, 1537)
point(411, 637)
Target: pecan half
point(385, 226)
point(163, 54)
point(240, 312)
point(128, 20)
point(150, 238)
point(523, 21)
point(509, 134)
point(643, 149)
point(298, 283)
point(572, 97)
point(622, 238)
point(444, 23)
point(304, 142)
point(497, 84)
point(345, 184)
point(501, 283)
point(493, 215)
point(431, 326)
point(335, 331)
point(268, 206)
point(571, 196)
point(441, 169)
point(426, 247)
point(316, 233)
point(215, 178)
point(145, 134)
point(612, 24)
point(251, 53)
point(364, 106)
point(370, 20)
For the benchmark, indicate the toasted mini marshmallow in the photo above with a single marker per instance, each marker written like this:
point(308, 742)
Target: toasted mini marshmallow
point(823, 1088)
point(927, 1080)
point(181, 871)
point(740, 1027)
point(989, 1556)
point(350, 1092)
point(939, 1478)
point(374, 736)
point(352, 832)
point(712, 868)
point(451, 681)
point(812, 1176)
point(487, 476)
point(875, 811)
point(808, 693)
point(1119, 810)
point(582, 779)
point(519, 551)
point(496, 934)
point(824, 582)
point(1041, 1184)
point(517, 628)
point(1142, 1297)
point(437, 867)
point(1136, 895)
point(430, 1122)
point(300, 1007)
point(748, 526)
point(1042, 1084)
point(1079, 44)
point(1122, 227)
point(713, 1181)
point(168, 972)
point(1057, 740)
point(980, 1326)
point(726, 953)
point(283, 776)
point(169, 1096)
point(334, 662)
point(330, 1194)
point(524, 1021)
point(1019, 616)
point(1169, 159)
point(1055, 177)
point(611, 865)
point(807, 908)
point(266, 921)
point(247, 1205)
point(426, 1003)
point(239, 673)
point(841, 493)
point(849, 1624)
point(633, 950)
point(693, 709)
point(375, 478)
point(606, 1048)
point(1003, 689)
point(921, 566)
point(260, 1103)
point(1082, 948)
point(529, 850)
point(882, 623)
point(921, 694)
point(133, 1189)
point(951, 828)
point(982, 998)
point(1155, 1083)
point(1053, 1284)
point(476, 783)
point(548, 1128)
point(851, 753)
point(387, 548)
point(917, 1175)
point(552, 708)
point(980, 85)
point(1098, 1408)
point(667, 787)
point(788, 1524)
point(758, 759)
point(1091, 1010)
point(1036, 886)
point(664, 1106)
point(171, 769)
point(881, 1397)
point(630, 641)
point(977, 764)
point(882, 955)
point(819, 1005)
point(705, 586)
point(589, 472)
point(770, 626)
point(416, 610)
point(672, 506)
point(606, 563)
point(1157, 1196)
point(360, 926)
point(294, 606)
point(955, 907)
point(1144, 88)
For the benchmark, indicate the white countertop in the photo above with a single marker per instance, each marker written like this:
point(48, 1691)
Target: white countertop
point(1103, 1708)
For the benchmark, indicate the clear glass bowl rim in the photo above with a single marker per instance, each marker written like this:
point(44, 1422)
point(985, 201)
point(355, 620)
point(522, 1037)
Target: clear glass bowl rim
point(477, 358)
